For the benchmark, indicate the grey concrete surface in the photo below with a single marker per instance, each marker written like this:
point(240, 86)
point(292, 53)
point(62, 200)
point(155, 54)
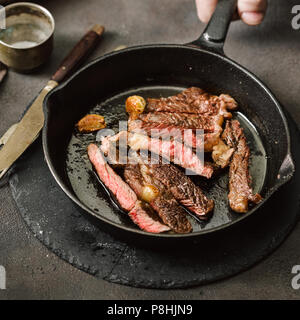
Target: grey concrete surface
point(271, 51)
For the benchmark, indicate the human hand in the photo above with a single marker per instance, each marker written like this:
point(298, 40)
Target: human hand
point(251, 12)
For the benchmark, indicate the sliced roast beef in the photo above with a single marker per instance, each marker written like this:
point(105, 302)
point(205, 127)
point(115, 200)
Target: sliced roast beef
point(183, 189)
point(171, 213)
point(240, 191)
point(139, 212)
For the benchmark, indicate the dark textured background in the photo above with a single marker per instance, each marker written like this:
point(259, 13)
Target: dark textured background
point(271, 51)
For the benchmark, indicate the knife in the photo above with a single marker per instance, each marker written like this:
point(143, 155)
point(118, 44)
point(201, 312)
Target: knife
point(3, 71)
point(31, 124)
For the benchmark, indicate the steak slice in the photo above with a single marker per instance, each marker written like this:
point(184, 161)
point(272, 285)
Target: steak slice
point(121, 190)
point(191, 109)
point(173, 151)
point(171, 213)
point(139, 212)
point(240, 191)
point(145, 217)
point(161, 120)
point(175, 125)
point(190, 137)
point(194, 100)
point(183, 189)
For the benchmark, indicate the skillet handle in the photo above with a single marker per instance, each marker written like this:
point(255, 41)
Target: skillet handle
point(214, 35)
point(286, 171)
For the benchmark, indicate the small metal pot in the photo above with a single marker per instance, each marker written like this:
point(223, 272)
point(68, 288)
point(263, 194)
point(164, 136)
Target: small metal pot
point(27, 41)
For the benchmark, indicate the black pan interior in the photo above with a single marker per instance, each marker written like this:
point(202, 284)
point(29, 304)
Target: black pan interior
point(153, 71)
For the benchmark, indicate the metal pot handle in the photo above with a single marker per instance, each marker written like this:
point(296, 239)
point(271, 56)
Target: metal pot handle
point(214, 35)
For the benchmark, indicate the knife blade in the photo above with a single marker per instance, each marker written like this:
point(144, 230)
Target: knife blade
point(3, 140)
point(32, 122)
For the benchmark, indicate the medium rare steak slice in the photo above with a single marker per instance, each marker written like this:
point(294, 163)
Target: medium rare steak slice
point(174, 125)
point(162, 201)
point(183, 189)
point(145, 217)
point(240, 191)
point(121, 190)
point(194, 100)
point(190, 137)
point(139, 212)
point(173, 151)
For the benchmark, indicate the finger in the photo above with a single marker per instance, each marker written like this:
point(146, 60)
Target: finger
point(205, 9)
point(252, 12)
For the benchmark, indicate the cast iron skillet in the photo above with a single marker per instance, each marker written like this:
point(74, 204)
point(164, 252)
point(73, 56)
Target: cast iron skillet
point(153, 70)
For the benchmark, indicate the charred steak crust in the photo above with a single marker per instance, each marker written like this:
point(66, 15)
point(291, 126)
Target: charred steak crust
point(164, 204)
point(233, 133)
point(172, 214)
point(193, 100)
point(183, 189)
point(240, 191)
point(160, 120)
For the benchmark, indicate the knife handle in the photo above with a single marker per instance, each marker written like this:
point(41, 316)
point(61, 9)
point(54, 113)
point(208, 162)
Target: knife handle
point(81, 50)
point(3, 71)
